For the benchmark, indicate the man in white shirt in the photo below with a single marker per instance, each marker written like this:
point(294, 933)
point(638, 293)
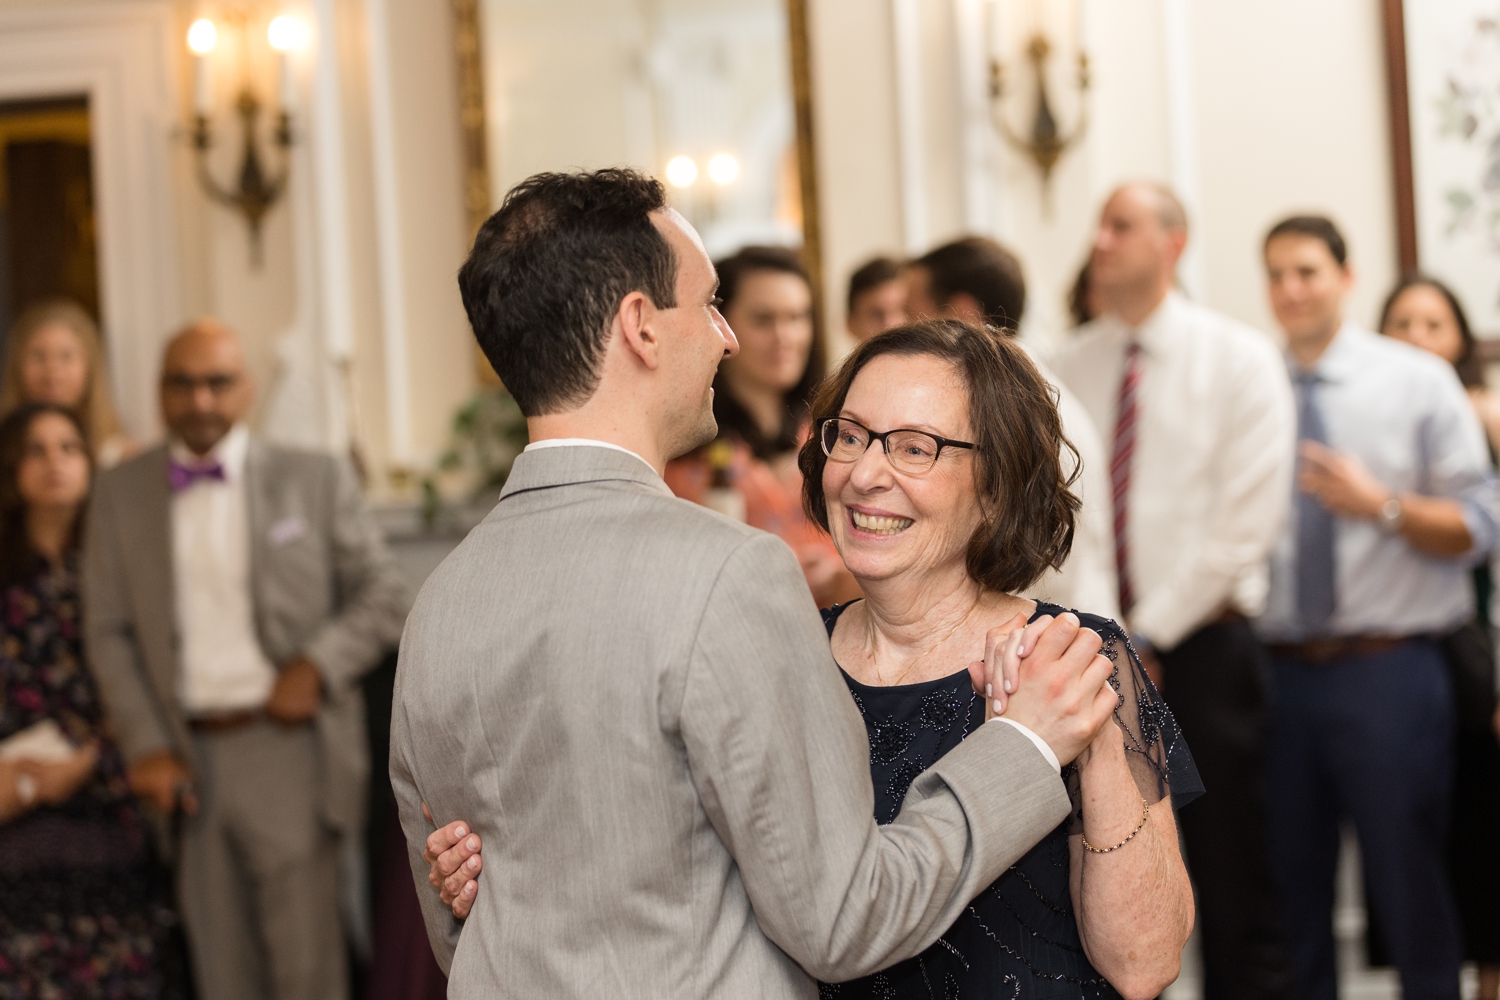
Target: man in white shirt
point(1197, 419)
point(978, 281)
point(1395, 502)
point(234, 594)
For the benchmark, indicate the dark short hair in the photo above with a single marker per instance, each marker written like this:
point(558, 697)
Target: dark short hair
point(871, 274)
point(1078, 295)
point(1319, 227)
point(19, 560)
point(548, 272)
point(1470, 371)
point(1023, 484)
point(731, 415)
point(978, 266)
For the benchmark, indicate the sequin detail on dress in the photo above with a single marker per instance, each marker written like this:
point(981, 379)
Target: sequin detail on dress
point(1019, 939)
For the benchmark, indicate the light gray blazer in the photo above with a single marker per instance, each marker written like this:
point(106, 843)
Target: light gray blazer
point(324, 586)
point(632, 700)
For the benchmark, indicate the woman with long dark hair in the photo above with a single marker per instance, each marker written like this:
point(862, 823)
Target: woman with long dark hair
point(760, 403)
point(79, 910)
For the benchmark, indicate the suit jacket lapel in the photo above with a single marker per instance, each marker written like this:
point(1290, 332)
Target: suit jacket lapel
point(257, 514)
point(154, 568)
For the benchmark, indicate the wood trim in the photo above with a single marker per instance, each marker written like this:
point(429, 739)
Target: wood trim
point(1394, 17)
point(807, 160)
point(475, 138)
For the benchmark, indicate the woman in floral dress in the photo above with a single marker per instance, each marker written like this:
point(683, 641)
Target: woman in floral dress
point(80, 910)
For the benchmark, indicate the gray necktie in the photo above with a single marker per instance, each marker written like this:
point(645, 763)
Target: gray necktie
point(1315, 535)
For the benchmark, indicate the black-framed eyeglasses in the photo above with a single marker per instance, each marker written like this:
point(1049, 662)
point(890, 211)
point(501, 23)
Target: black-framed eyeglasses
point(909, 451)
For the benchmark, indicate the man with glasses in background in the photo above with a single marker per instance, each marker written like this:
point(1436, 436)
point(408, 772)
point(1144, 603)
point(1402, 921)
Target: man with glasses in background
point(234, 592)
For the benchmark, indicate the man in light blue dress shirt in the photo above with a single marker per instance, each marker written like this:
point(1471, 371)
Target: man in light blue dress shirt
point(1394, 501)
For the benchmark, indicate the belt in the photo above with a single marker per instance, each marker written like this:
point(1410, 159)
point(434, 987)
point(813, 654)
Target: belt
point(1337, 647)
point(225, 722)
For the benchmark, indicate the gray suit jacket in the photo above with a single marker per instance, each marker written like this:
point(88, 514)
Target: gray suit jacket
point(632, 699)
point(325, 586)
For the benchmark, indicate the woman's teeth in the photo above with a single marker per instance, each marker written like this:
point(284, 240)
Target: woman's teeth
point(879, 525)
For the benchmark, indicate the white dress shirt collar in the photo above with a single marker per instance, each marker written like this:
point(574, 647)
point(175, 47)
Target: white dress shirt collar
point(1157, 330)
point(230, 453)
point(583, 443)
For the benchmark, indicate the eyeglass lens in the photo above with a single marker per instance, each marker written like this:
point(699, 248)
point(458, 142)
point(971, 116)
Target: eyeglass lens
point(908, 451)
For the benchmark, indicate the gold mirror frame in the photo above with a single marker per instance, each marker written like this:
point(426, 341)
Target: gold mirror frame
point(474, 128)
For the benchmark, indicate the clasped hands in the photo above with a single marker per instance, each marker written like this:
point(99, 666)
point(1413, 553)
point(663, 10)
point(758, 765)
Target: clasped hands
point(26, 784)
point(1047, 675)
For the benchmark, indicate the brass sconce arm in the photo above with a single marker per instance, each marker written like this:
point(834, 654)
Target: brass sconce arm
point(256, 192)
point(1046, 143)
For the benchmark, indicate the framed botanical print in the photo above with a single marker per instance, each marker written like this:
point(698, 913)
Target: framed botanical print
point(1444, 58)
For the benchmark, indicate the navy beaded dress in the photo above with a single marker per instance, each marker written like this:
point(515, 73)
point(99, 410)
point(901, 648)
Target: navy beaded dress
point(1018, 940)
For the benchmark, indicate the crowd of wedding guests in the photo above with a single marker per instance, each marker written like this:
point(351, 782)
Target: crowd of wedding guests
point(1296, 540)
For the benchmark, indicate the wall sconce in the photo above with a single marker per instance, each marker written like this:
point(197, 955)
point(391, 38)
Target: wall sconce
point(1045, 144)
point(255, 192)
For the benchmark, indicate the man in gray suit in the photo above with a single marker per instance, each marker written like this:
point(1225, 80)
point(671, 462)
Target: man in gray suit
point(234, 593)
point(632, 698)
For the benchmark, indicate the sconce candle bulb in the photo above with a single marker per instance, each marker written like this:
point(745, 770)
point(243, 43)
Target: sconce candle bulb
point(285, 34)
point(723, 169)
point(681, 171)
point(201, 37)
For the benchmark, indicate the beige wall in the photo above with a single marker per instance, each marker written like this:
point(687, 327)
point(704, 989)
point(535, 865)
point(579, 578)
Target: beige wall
point(1286, 111)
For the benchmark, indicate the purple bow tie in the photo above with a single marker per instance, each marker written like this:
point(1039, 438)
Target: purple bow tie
point(182, 476)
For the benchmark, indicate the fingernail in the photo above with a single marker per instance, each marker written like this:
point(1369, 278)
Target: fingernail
point(989, 690)
point(473, 863)
point(473, 844)
point(469, 889)
point(459, 831)
point(1007, 685)
point(1070, 616)
point(998, 707)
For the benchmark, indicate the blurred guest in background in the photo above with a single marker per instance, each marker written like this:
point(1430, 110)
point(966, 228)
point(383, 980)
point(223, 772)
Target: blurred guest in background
point(53, 355)
point(1395, 501)
point(877, 299)
point(1425, 313)
point(978, 281)
point(1083, 298)
point(79, 898)
point(234, 593)
point(1200, 420)
point(760, 403)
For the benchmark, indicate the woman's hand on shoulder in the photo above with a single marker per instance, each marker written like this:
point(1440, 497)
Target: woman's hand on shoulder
point(452, 854)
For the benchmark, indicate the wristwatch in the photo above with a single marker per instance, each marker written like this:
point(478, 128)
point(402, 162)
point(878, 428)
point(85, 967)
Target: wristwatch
point(1391, 516)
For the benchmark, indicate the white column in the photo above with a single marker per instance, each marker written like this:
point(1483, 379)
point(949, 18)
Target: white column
point(1182, 133)
point(910, 121)
point(388, 239)
point(336, 304)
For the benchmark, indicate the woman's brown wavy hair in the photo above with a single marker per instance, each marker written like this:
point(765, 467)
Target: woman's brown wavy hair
point(1024, 485)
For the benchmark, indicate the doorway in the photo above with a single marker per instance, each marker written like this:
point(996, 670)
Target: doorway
point(48, 243)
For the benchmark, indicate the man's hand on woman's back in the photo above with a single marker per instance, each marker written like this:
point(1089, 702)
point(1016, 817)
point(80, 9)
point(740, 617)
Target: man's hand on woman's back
point(452, 854)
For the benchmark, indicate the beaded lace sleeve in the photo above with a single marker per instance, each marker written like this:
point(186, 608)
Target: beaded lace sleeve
point(1155, 751)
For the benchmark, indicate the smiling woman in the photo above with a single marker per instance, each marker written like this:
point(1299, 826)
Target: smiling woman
point(938, 469)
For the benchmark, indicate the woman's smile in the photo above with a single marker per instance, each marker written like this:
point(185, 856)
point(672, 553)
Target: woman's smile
point(872, 523)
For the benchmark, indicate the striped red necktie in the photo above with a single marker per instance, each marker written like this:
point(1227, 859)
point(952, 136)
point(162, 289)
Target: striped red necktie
point(1119, 468)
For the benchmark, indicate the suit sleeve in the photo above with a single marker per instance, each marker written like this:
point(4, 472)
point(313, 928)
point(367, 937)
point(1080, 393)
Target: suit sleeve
point(442, 927)
point(1254, 479)
point(373, 599)
point(780, 760)
point(109, 634)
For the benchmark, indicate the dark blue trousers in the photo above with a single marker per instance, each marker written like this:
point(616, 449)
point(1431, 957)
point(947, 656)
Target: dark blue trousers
point(1369, 739)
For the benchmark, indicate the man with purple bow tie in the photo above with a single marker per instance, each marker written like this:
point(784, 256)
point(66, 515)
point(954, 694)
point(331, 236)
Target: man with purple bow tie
point(234, 594)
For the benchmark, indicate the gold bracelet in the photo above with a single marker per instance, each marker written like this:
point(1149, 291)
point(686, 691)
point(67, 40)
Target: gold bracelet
point(1138, 828)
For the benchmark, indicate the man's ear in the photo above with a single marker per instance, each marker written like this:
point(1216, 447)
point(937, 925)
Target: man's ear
point(635, 322)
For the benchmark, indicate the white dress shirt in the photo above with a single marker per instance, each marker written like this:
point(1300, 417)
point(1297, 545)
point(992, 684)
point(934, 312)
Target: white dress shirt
point(1210, 476)
point(223, 666)
point(1403, 413)
point(1086, 581)
point(1041, 744)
